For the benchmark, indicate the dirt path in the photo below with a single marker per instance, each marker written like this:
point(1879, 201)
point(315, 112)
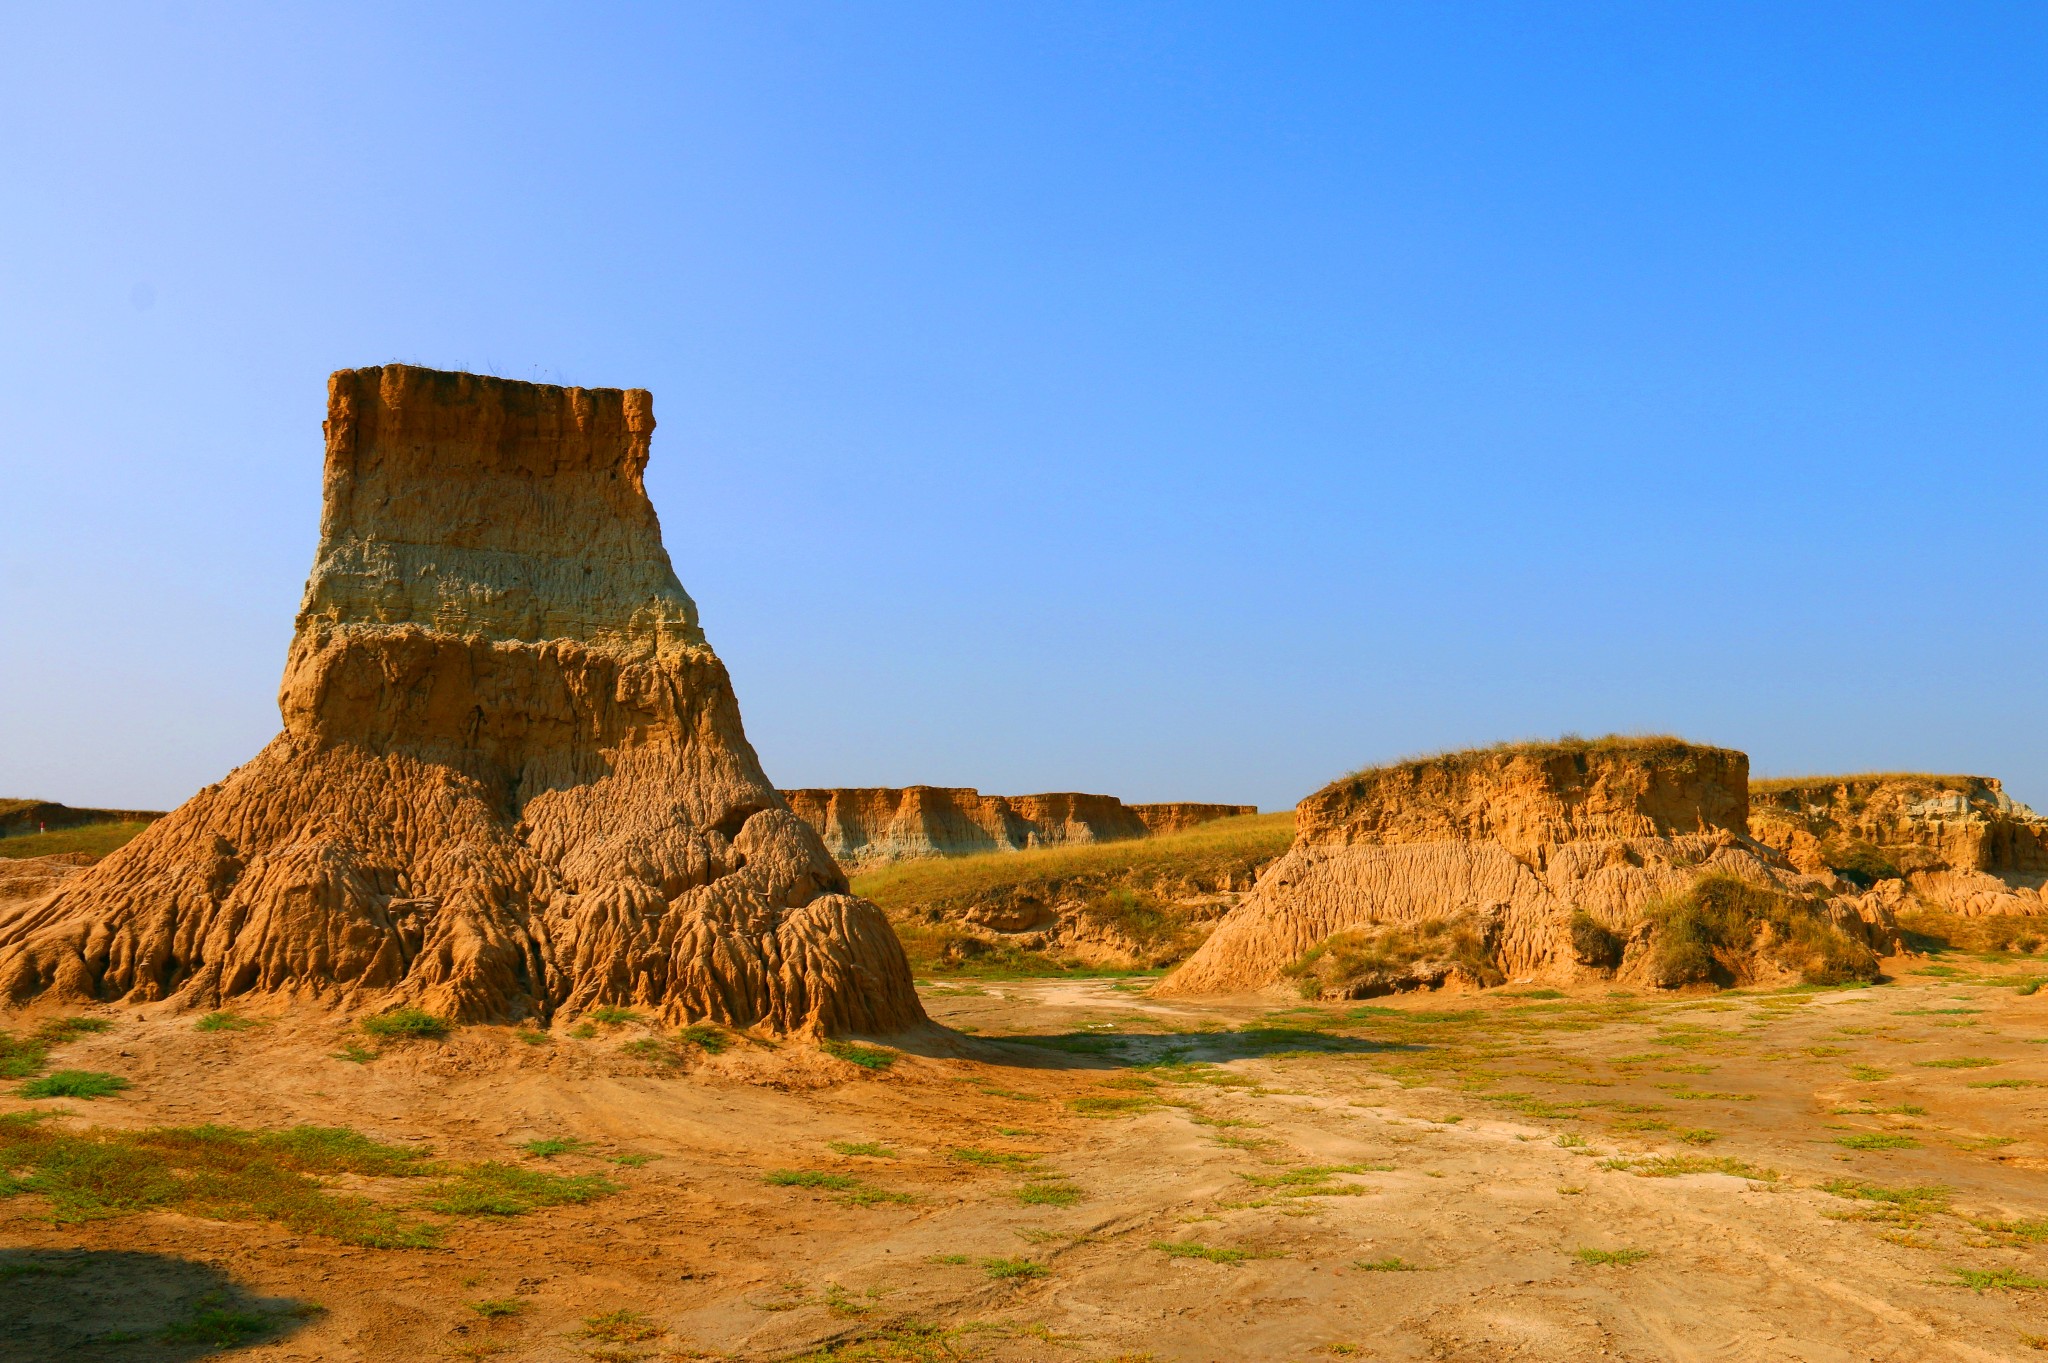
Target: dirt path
point(1788, 1176)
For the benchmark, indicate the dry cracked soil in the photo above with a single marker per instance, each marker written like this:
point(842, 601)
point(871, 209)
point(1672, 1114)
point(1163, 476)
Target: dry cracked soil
point(1068, 1170)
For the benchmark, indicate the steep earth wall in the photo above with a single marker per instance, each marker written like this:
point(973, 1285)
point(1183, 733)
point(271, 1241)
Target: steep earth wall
point(1517, 846)
point(867, 827)
point(512, 778)
point(1957, 843)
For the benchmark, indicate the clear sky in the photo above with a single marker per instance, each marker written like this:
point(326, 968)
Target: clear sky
point(1178, 401)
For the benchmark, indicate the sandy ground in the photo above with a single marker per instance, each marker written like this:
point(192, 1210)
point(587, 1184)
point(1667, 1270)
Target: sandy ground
point(1408, 1181)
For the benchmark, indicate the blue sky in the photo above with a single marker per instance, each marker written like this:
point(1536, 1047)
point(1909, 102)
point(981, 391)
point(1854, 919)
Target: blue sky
point(1178, 401)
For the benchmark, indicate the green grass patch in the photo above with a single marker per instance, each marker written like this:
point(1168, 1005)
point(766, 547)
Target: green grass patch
point(1877, 1140)
point(1900, 1206)
point(1677, 1166)
point(866, 1149)
point(1011, 1269)
point(853, 1053)
point(846, 1187)
point(1619, 1257)
point(622, 1327)
point(212, 1171)
point(497, 1308)
point(74, 1084)
point(1048, 1194)
point(407, 1024)
point(1392, 1264)
point(708, 1037)
point(217, 1326)
point(552, 1146)
point(1194, 1249)
point(495, 1189)
point(1958, 1062)
point(93, 839)
point(225, 1021)
point(1998, 1280)
point(995, 1159)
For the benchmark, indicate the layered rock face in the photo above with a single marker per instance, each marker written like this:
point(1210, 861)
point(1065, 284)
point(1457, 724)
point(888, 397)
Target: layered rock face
point(1958, 843)
point(512, 778)
point(1512, 853)
point(1176, 815)
point(866, 827)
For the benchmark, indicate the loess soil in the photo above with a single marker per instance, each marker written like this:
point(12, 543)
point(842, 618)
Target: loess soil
point(1068, 1170)
point(1136, 905)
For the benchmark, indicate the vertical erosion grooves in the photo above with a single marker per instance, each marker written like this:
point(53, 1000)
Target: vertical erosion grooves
point(512, 779)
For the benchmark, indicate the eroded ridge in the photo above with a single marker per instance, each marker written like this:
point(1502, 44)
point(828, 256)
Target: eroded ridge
point(512, 777)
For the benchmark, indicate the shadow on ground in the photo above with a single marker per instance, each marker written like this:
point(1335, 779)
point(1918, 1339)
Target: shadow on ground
point(1102, 1050)
point(59, 1305)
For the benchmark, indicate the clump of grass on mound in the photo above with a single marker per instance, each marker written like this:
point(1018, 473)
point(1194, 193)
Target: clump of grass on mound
point(407, 1024)
point(1620, 1257)
point(1125, 891)
point(1715, 931)
point(1387, 957)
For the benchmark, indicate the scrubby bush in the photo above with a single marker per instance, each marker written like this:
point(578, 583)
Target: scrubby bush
point(1388, 957)
point(1592, 943)
point(1719, 931)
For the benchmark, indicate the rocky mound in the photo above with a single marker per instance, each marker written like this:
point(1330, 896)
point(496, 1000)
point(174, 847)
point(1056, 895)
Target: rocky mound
point(1538, 862)
point(1955, 843)
point(867, 827)
point(512, 778)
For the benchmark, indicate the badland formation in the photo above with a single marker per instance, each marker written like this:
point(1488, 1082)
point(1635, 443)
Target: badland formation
point(877, 826)
point(512, 778)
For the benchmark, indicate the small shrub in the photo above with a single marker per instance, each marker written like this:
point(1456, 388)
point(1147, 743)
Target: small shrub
point(1390, 957)
point(1621, 1257)
point(497, 1307)
point(74, 1084)
point(1592, 945)
point(355, 1055)
point(407, 1024)
point(612, 1017)
point(1710, 932)
point(1698, 1135)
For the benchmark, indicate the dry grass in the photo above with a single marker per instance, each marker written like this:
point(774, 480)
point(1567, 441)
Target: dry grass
point(1645, 747)
point(94, 839)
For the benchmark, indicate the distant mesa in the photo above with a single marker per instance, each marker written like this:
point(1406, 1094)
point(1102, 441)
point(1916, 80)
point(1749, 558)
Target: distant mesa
point(1623, 858)
point(865, 827)
point(512, 779)
point(24, 818)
